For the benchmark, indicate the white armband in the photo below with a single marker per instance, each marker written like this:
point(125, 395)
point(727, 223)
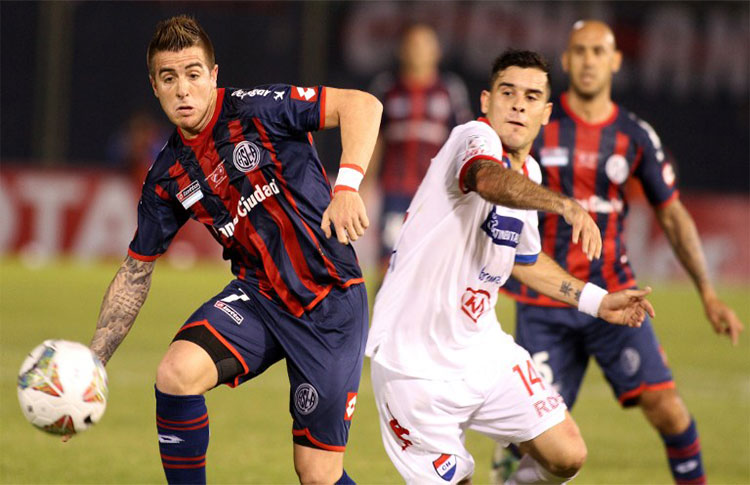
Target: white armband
point(349, 177)
point(591, 297)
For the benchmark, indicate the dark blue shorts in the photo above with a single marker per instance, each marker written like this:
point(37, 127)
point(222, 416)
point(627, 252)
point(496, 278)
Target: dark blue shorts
point(561, 340)
point(392, 212)
point(323, 348)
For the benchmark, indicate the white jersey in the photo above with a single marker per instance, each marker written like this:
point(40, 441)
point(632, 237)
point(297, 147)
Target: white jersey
point(434, 314)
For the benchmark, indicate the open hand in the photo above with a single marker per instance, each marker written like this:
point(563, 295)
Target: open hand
point(626, 307)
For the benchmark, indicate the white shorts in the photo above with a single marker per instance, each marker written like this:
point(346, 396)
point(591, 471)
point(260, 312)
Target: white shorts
point(423, 422)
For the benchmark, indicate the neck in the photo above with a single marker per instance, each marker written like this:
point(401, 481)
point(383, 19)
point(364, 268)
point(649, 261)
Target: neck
point(517, 158)
point(419, 75)
point(594, 109)
point(193, 132)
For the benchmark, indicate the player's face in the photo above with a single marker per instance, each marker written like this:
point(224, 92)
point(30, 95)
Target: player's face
point(591, 59)
point(186, 88)
point(420, 49)
point(517, 106)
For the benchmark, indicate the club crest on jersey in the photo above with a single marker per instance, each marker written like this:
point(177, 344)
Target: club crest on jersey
point(351, 404)
point(190, 194)
point(445, 466)
point(553, 156)
point(474, 303)
point(617, 169)
point(246, 156)
point(305, 94)
point(503, 230)
point(305, 398)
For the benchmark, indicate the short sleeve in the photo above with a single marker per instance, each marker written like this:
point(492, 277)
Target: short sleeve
point(285, 109)
point(477, 142)
point(529, 244)
point(655, 171)
point(159, 219)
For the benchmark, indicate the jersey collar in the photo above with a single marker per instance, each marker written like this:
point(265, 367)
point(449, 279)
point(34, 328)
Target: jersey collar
point(580, 121)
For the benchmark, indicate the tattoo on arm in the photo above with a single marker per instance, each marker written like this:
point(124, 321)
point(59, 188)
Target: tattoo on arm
point(566, 288)
point(577, 295)
point(122, 302)
point(503, 186)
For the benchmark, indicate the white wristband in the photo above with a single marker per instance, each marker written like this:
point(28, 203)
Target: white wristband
point(349, 176)
point(591, 298)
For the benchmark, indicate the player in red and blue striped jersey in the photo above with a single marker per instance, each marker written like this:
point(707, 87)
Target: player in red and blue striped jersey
point(588, 151)
point(421, 105)
point(242, 163)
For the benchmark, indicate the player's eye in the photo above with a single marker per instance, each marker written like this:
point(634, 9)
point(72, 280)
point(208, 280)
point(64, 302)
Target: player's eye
point(168, 79)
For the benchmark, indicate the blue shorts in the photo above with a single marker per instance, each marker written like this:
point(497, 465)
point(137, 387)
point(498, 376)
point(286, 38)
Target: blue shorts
point(561, 340)
point(323, 348)
point(392, 212)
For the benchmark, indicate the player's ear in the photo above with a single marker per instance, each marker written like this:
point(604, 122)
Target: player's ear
point(215, 75)
point(484, 101)
point(153, 85)
point(547, 113)
point(616, 61)
point(565, 61)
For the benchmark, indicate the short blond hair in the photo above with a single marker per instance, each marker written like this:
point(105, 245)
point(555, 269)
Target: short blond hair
point(177, 33)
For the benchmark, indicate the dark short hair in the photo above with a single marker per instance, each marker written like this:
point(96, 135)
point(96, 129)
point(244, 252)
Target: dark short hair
point(519, 58)
point(178, 33)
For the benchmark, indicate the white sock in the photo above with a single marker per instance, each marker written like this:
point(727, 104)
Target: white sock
point(530, 471)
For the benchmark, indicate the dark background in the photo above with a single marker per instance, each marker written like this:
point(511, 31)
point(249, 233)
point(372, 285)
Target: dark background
point(73, 72)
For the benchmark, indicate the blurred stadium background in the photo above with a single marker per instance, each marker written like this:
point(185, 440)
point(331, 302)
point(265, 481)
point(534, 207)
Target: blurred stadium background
point(78, 123)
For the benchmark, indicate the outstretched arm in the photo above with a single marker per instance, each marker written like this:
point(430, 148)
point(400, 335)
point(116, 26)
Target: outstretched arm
point(511, 189)
point(682, 234)
point(627, 307)
point(358, 114)
point(122, 302)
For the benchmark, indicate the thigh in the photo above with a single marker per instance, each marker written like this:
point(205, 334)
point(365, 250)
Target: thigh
point(324, 350)
point(631, 358)
point(422, 425)
point(231, 330)
point(553, 338)
point(519, 405)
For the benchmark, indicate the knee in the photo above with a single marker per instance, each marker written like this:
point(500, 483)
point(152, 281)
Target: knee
point(665, 410)
point(317, 474)
point(185, 370)
point(570, 461)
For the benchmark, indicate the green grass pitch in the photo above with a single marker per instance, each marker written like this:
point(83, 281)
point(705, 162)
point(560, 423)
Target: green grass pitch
point(251, 427)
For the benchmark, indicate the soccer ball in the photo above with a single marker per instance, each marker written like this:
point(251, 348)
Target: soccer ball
point(62, 387)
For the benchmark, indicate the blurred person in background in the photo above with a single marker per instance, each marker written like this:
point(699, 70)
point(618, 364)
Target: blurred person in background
point(242, 163)
point(420, 107)
point(135, 146)
point(588, 151)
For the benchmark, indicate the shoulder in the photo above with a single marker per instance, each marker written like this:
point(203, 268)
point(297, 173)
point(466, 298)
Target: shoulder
point(639, 129)
point(534, 170)
point(166, 158)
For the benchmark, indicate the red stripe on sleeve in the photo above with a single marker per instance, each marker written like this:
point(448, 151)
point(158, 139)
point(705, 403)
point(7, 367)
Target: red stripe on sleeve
point(323, 91)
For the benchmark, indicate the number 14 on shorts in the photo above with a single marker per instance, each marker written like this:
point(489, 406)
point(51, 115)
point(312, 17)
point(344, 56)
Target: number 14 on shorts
point(549, 400)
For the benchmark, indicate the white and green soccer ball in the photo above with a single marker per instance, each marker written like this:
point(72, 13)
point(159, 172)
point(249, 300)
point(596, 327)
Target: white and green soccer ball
point(62, 387)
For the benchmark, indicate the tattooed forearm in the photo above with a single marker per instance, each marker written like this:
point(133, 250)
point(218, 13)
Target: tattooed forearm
point(121, 304)
point(502, 186)
point(566, 288)
point(577, 295)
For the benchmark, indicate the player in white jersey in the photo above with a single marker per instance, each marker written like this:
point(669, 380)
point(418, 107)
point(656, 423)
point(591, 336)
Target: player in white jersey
point(440, 362)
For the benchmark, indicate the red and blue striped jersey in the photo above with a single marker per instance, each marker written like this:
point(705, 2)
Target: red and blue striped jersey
point(592, 164)
point(416, 122)
point(253, 178)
